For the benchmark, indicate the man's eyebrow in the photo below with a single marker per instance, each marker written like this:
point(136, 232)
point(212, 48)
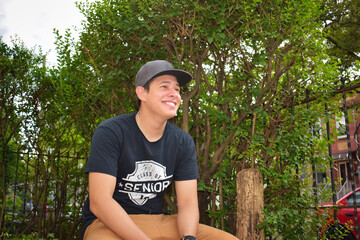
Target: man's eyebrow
point(169, 82)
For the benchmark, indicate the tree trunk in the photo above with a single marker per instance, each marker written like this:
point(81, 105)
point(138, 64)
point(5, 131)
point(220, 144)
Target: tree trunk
point(250, 201)
point(204, 201)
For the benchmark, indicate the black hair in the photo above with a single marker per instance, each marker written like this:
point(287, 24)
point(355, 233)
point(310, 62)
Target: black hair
point(146, 87)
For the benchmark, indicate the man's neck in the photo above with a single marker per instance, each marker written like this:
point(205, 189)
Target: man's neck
point(151, 126)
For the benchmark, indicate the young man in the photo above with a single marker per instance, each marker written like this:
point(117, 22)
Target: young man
point(135, 157)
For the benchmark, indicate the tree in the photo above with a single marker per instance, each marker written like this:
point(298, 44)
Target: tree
point(252, 62)
point(40, 149)
point(21, 71)
point(341, 21)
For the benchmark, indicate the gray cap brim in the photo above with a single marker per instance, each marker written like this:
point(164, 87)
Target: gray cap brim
point(158, 68)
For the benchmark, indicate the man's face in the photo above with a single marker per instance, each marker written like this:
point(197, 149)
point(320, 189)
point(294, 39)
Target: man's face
point(163, 97)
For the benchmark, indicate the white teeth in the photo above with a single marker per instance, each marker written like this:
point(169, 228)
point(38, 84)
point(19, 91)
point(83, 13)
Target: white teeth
point(170, 103)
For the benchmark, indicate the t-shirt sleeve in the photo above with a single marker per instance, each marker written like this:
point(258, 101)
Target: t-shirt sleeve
point(186, 168)
point(105, 152)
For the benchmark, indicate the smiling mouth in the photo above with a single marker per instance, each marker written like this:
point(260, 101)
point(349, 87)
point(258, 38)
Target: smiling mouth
point(171, 104)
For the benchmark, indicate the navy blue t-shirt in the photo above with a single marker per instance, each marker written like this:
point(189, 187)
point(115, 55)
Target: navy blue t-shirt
point(143, 169)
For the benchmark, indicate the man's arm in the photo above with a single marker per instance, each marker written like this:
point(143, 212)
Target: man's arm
point(108, 211)
point(188, 210)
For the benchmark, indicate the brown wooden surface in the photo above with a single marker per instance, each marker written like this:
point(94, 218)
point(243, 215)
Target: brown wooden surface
point(250, 199)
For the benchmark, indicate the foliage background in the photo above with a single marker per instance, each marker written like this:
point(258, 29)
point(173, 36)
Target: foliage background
point(256, 64)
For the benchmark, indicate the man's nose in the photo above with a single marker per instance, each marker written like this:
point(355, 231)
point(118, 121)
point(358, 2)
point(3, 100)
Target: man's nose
point(174, 92)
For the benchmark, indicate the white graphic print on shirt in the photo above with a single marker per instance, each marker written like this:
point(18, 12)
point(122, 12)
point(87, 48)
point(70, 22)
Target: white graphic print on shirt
point(148, 179)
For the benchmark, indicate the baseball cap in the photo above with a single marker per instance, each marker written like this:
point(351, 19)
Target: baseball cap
point(158, 68)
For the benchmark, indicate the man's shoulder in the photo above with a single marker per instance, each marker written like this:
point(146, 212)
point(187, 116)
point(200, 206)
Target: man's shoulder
point(118, 120)
point(178, 132)
point(116, 126)
point(173, 128)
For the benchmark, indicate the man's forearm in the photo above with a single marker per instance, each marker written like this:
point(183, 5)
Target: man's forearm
point(115, 218)
point(188, 220)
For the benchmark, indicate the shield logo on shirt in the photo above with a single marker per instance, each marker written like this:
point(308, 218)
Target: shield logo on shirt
point(148, 179)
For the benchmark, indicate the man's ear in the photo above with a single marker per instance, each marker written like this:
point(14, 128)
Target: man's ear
point(140, 92)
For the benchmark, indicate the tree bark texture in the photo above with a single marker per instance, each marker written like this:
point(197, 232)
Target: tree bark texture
point(250, 202)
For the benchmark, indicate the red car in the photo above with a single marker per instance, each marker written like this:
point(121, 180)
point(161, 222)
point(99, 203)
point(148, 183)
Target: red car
point(345, 217)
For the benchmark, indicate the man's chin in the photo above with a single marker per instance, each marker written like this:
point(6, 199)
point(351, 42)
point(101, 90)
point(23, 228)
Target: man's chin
point(171, 115)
